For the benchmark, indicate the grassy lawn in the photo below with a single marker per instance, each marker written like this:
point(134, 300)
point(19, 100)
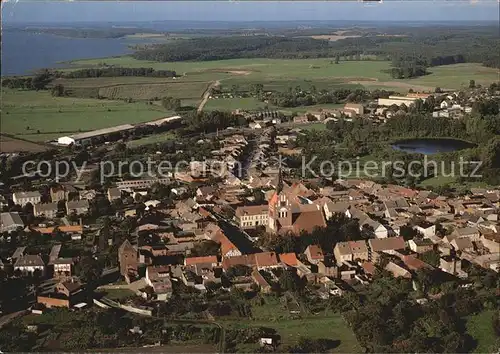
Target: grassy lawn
point(480, 328)
point(26, 112)
point(275, 313)
point(118, 294)
point(332, 327)
point(152, 139)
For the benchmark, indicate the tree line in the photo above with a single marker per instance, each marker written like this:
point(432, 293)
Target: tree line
point(116, 72)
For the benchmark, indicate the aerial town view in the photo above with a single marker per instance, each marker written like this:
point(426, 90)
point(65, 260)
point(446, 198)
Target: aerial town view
point(239, 176)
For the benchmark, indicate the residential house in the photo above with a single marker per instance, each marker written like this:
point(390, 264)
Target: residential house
point(48, 210)
point(314, 254)
point(158, 277)
point(427, 229)
point(128, 260)
point(331, 208)
point(77, 207)
point(463, 244)
point(388, 245)
point(252, 216)
point(452, 265)
point(266, 260)
point(351, 109)
point(10, 222)
point(23, 198)
point(62, 267)
point(88, 194)
point(114, 194)
point(259, 279)
point(66, 294)
point(397, 271)
point(421, 245)
point(246, 260)
point(205, 192)
point(350, 251)
point(228, 248)
point(62, 192)
point(491, 241)
point(471, 233)
point(289, 259)
point(209, 261)
point(29, 264)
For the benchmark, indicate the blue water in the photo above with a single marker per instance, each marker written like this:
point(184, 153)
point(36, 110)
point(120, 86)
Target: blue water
point(24, 52)
point(431, 146)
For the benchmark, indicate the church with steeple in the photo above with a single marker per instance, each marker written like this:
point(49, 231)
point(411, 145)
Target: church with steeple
point(289, 211)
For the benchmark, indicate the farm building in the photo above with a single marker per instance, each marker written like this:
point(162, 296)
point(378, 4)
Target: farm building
point(83, 138)
point(164, 120)
point(397, 100)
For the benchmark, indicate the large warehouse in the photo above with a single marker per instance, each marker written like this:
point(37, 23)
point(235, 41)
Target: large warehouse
point(83, 138)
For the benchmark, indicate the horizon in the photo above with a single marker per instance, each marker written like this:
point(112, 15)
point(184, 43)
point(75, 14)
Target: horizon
point(248, 11)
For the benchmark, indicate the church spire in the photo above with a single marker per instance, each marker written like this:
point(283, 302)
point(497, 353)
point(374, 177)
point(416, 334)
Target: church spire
point(279, 185)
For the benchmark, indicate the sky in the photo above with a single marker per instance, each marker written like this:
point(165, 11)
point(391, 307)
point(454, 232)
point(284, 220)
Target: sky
point(19, 11)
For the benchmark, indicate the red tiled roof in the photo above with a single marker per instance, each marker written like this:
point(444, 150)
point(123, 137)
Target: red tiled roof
point(307, 221)
point(315, 252)
point(251, 210)
point(415, 263)
point(266, 259)
point(247, 259)
point(290, 259)
point(368, 267)
point(387, 244)
point(200, 260)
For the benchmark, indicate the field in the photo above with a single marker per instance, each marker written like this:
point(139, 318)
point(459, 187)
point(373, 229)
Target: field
point(480, 328)
point(152, 139)
point(320, 71)
point(11, 145)
point(36, 115)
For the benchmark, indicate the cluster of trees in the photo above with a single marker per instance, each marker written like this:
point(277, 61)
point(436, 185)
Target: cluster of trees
point(301, 97)
point(171, 103)
point(37, 82)
point(437, 326)
point(116, 72)
point(406, 67)
point(209, 122)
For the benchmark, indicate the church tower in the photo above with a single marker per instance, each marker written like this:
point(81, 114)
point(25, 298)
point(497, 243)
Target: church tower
point(279, 211)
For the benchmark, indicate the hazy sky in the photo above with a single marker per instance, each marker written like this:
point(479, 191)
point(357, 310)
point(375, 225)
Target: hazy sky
point(409, 10)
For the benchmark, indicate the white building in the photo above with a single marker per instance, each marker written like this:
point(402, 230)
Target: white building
point(30, 263)
point(23, 198)
point(396, 100)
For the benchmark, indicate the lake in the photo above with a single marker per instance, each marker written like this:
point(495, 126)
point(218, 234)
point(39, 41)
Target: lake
point(24, 52)
point(431, 146)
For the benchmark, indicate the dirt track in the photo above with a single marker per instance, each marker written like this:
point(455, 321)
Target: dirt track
point(206, 95)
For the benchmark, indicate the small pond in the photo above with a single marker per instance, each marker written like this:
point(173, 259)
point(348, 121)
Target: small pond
point(431, 146)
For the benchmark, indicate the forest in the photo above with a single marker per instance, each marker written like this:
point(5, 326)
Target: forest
point(411, 51)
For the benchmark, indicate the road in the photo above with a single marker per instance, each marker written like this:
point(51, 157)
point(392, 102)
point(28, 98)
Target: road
point(4, 320)
point(206, 95)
